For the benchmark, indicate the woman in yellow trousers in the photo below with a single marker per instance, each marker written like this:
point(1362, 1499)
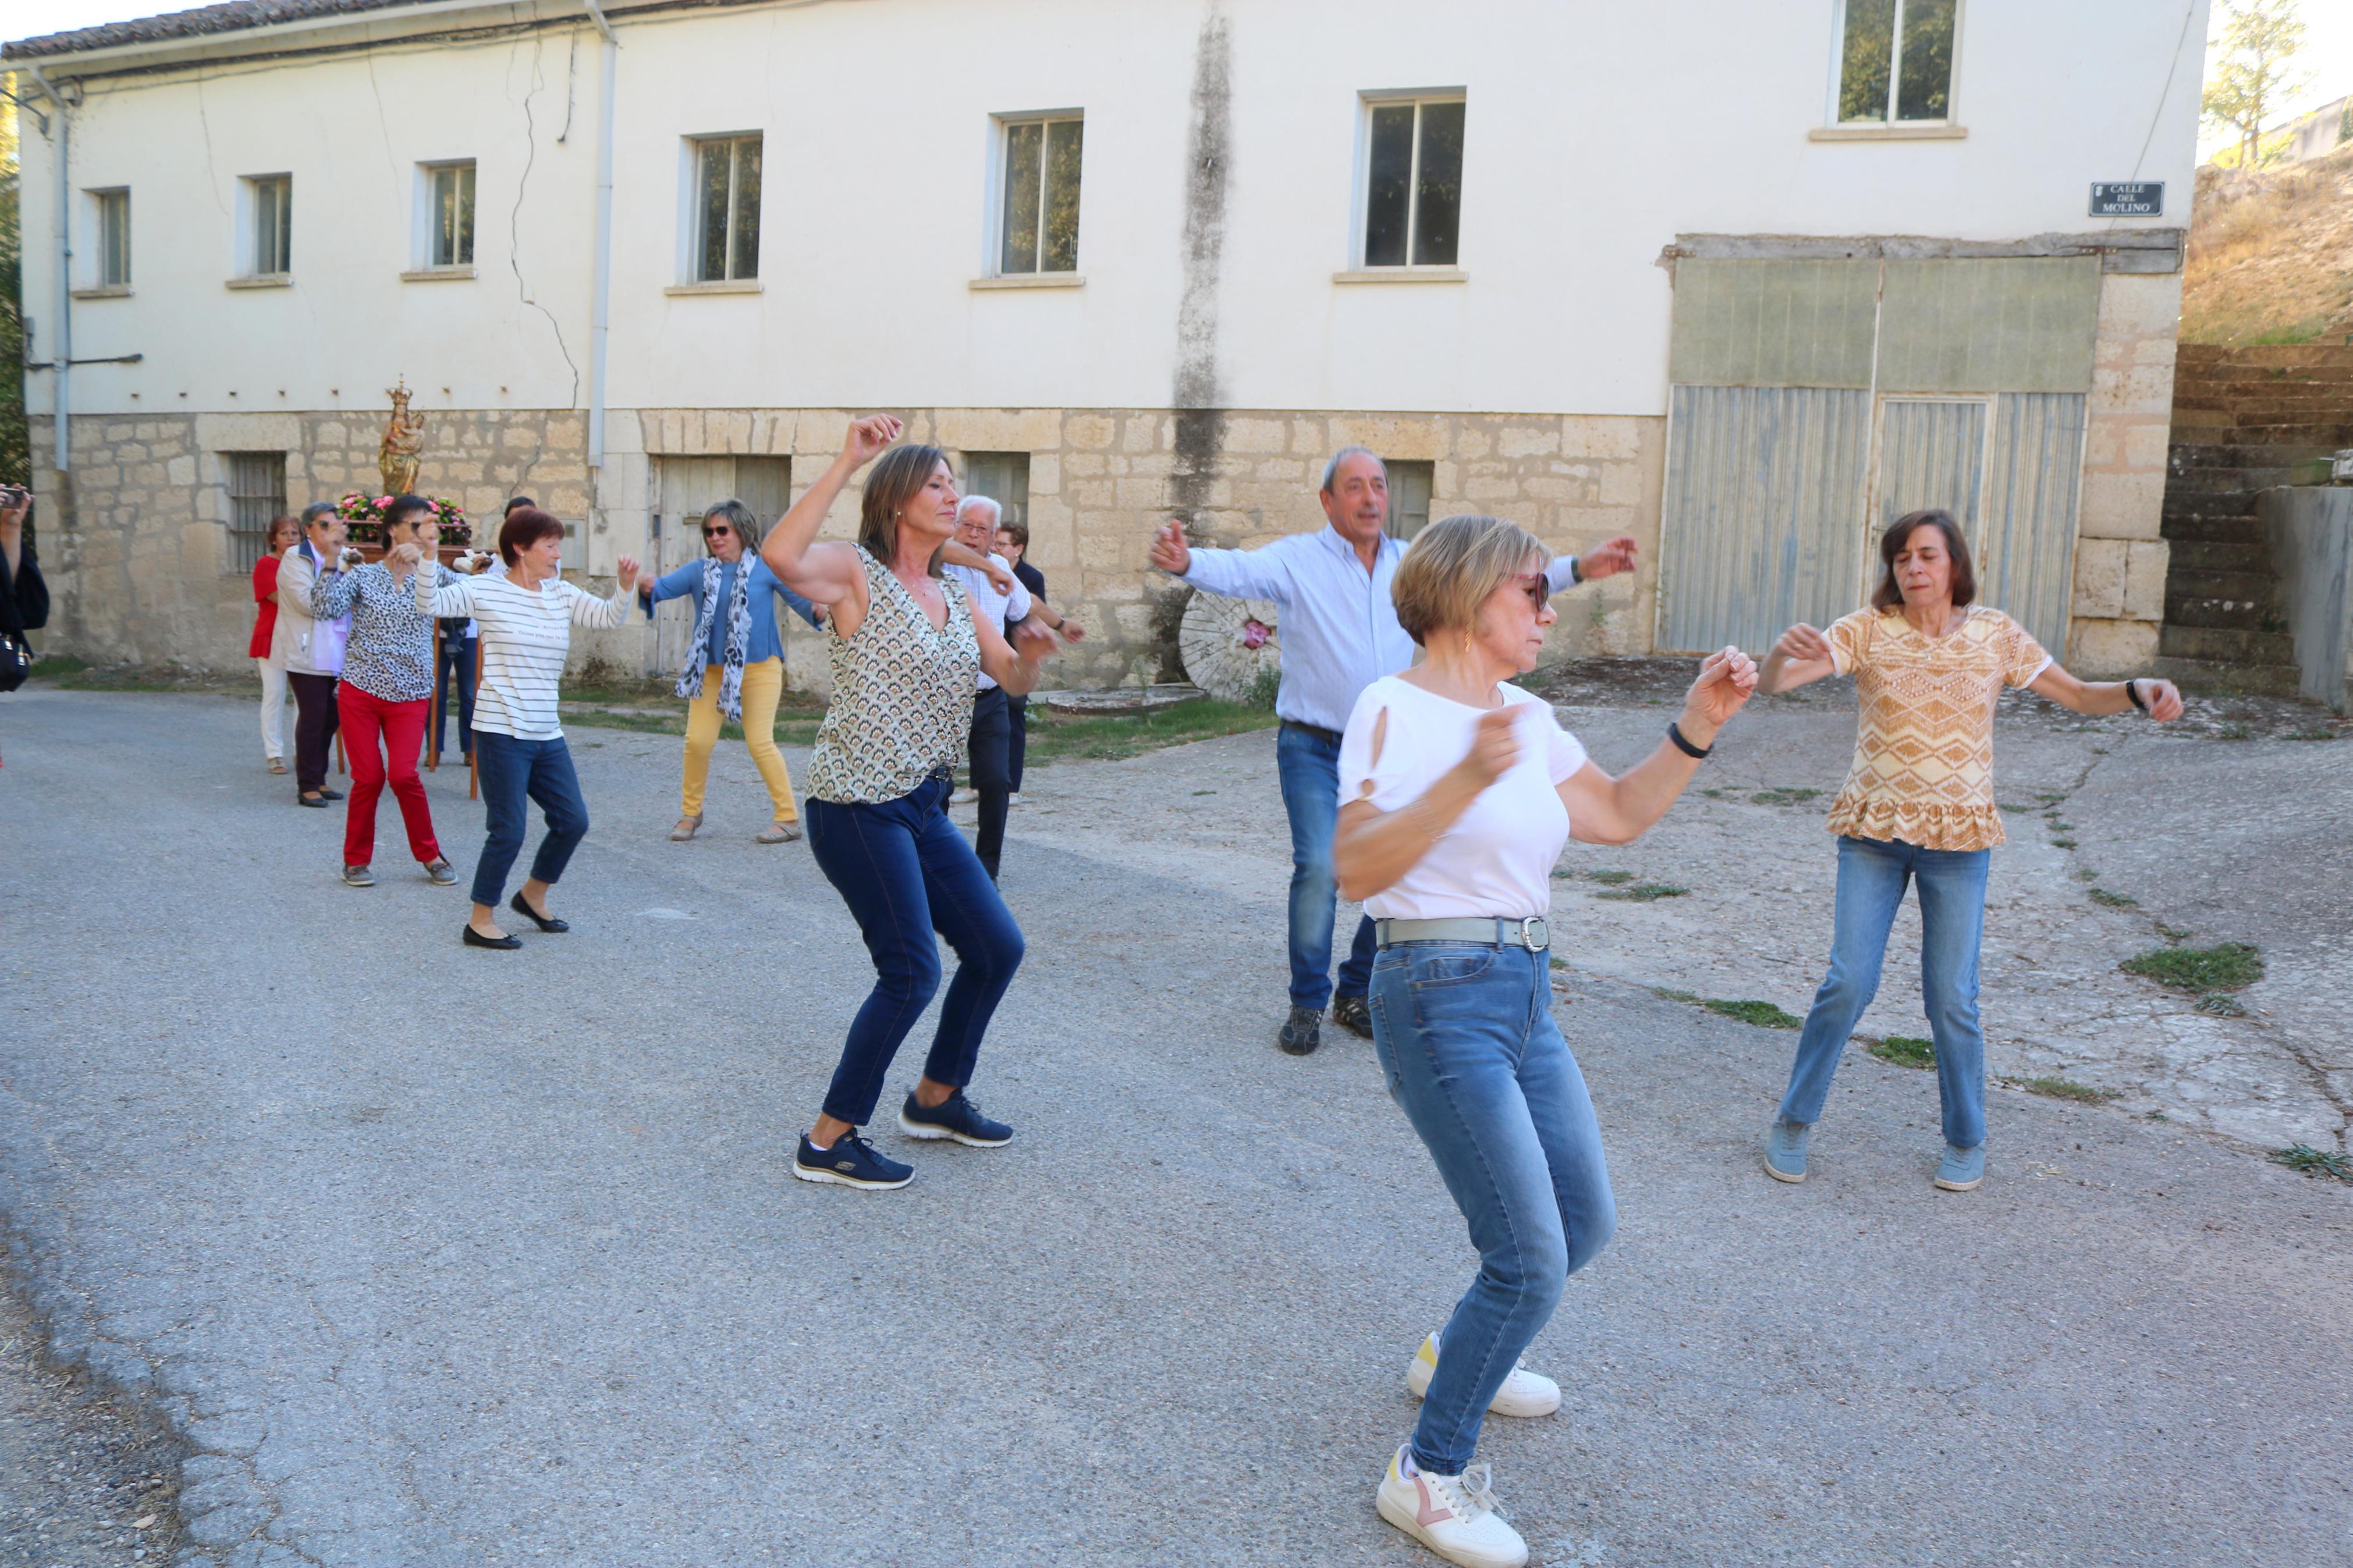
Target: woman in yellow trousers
point(734, 665)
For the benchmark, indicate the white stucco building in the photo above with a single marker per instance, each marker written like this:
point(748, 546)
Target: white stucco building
point(1737, 277)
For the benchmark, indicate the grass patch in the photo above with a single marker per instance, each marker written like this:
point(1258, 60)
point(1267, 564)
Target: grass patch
point(2015, 806)
point(2293, 735)
point(1610, 879)
point(2235, 733)
point(1764, 1014)
point(1784, 796)
point(2314, 1162)
point(2173, 933)
point(57, 664)
point(1717, 794)
point(1905, 1051)
point(1669, 993)
point(1644, 892)
point(2064, 1088)
point(2063, 844)
point(1054, 737)
point(2106, 899)
point(2051, 799)
point(2226, 966)
point(2221, 1005)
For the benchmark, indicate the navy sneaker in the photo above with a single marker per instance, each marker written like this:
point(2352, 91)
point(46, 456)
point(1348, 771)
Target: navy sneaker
point(1354, 1013)
point(1303, 1033)
point(852, 1162)
point(954, 1117)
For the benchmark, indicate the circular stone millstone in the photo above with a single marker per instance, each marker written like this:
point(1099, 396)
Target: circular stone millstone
point(1214, 642)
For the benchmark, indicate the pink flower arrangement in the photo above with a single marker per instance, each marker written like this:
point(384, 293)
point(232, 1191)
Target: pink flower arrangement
point(366, 515)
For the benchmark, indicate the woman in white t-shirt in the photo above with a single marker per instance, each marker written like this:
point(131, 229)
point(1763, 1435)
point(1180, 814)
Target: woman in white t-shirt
point(1456, 792)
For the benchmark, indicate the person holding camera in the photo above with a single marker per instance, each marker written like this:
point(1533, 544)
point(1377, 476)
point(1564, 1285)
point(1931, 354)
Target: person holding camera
point(387, 681)
point(312, 649)
point(24, 596)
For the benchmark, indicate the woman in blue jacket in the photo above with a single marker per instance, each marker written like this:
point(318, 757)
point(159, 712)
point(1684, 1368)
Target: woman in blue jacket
point(734, 665)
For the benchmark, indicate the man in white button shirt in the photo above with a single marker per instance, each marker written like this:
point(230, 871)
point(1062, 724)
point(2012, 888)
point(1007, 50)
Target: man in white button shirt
point(991, 770)
point(1340, 634)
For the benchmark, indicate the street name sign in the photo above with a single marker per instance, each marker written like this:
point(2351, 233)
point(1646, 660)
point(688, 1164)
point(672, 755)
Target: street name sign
point(2130, 198)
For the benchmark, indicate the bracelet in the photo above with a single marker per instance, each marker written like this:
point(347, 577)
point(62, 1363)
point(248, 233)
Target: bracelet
point(1675, 733)
point(2131, 691)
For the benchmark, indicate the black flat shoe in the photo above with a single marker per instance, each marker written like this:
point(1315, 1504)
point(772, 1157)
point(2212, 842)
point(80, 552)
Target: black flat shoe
point(319, 801)
point(331, 795)
point(476, 939)
point(525, 910)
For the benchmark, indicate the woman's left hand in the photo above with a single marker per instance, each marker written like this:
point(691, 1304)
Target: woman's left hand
point(1726, 679)
point(1033, 642)
point(2164, 699)
point(406, 556)
point(626, 573)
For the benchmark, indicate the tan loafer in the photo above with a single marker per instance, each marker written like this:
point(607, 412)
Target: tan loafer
point(277, 764)
point(685, 828)
point(778, 833)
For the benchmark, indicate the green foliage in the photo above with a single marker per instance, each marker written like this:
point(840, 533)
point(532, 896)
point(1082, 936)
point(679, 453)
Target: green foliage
point(2226, 966)
point(2064, 1088)
point(1784, 796)
point(1266, 683)
point(2221, 1005)
point(1612, 879)
point(16, 439)
point(1108, 736)
point(2113, 901)
point(2251, 74)
point(1905, 1051)
point(1764, 1014)
point(1644, 892)
point(2314, 1162)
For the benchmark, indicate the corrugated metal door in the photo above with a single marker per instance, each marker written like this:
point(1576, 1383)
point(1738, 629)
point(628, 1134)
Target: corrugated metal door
point(2026, 546)
point(1932, 453)
point(1764, 491)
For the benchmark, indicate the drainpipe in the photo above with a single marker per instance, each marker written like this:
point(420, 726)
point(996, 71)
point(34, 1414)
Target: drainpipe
point(601, 288)
point(61, 356)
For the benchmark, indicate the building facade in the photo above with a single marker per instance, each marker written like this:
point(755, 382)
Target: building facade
point(1740, 279)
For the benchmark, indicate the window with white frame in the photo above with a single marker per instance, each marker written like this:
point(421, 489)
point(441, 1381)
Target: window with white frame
point(726, 213)
point(267, 246)
point(448, 227)
point(1895, 61)
point(1038, 170)
point(110, 213)
point(1412, 181)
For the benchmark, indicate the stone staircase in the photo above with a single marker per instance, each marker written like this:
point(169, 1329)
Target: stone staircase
point(2243, 419)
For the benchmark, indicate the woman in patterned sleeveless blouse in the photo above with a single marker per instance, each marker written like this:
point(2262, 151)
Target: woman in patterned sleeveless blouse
point(1928, 664)
point(906, 649)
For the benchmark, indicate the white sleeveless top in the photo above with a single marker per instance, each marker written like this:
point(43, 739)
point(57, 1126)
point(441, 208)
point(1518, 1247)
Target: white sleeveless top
point(902, 693)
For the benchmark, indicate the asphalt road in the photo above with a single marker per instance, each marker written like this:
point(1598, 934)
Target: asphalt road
point(442, 1256)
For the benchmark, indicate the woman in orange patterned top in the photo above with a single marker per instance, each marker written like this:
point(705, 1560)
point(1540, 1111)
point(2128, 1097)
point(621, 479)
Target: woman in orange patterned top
point(1928, 664)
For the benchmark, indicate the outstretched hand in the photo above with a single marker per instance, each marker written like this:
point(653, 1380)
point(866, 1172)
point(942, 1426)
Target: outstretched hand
point(870, 437)
point(1033, 642)
point(1803, 645)
point(2164, 699)
point(627, 572)
point(1608, 558)
point(1169, 550)
point(1726, 678)
point(998, 577)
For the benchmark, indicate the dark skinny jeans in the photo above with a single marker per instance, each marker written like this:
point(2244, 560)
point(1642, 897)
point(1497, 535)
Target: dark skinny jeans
point(905, 872)
point(514, 772)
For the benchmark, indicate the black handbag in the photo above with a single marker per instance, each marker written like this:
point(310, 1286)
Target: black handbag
point(16, 660)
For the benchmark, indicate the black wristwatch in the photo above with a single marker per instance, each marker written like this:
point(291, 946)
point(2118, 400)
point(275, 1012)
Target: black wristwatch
point(2132, 694)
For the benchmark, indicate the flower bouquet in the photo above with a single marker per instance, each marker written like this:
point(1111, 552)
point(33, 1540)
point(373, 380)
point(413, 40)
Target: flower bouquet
point(365, 514)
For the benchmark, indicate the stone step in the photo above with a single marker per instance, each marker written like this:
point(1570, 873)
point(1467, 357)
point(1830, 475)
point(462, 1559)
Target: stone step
point(2212, 613)
point(2193, 500)
point(2219, 678)
point(2256, 587)
point(2203, 375)
point(2184, 456)
point(2231, 644)
point(2244, 530)
point(2199, 560)
point(2275, 356)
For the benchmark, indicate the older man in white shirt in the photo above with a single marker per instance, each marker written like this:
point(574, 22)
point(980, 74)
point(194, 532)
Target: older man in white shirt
point(1340, 634)
point(989, 749)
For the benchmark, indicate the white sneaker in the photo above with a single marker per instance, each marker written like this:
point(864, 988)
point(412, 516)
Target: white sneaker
point(963, 796)
point(1523, 1393)
point(1013, 799)
point(1454, 1516)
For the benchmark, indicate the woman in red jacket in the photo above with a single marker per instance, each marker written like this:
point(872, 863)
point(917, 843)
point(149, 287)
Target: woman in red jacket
point(284, 531)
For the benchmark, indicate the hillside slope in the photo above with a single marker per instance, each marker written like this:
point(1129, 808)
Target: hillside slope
point(2271, 255)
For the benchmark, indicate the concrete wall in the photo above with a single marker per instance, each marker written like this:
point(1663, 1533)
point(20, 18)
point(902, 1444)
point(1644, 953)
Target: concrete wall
point(2312, 540)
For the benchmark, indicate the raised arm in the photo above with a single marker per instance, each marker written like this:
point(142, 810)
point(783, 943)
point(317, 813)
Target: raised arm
point(1260, 574)
point(332, 593)
point(1015, 668)
point(826, 574)
point(652, 591)
point(1801, 656)
point(955, 553)
point(588, 610)
point(442, 592)
point(2161, 700)
point(1606, 559)
point(766, 582)
point(1603, 810)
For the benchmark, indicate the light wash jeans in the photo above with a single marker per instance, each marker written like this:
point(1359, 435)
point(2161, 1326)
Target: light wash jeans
point(1466, 1038)
point(1307, 764)
point(1872, 877)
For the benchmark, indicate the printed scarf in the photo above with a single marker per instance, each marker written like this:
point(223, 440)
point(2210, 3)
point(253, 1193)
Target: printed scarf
point(739, 638)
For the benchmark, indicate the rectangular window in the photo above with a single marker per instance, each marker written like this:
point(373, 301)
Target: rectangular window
point(112, 212)
point(1413, 183)
point(1039, 227)
point(270, 234)
point(726, 209)
point(450, 215)
point(256, 492)
point(1410, 484)
point(1003, 477)
point(1895, 61)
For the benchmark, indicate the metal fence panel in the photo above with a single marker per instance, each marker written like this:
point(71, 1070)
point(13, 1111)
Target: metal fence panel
point(1931, 453)
point(1763, 520)
point(2026, 545)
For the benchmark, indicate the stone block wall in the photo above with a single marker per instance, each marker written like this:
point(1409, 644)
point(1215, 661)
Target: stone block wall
point(2120, 559)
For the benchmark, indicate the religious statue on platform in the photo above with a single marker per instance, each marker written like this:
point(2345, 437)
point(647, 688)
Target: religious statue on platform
point(398, 459)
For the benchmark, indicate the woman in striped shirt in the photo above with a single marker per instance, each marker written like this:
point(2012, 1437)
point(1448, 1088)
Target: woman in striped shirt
point(526, 617)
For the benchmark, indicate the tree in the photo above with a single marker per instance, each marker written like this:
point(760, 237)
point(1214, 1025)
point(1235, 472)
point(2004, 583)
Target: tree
point(16, 443)
point(2252, 74)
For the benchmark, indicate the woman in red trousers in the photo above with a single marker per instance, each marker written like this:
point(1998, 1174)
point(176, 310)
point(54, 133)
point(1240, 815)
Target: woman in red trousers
point(387, 686)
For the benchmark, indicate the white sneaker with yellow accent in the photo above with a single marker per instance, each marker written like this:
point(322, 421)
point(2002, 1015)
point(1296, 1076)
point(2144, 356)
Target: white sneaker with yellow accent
point(1525, 1392)
point(1454, 1516)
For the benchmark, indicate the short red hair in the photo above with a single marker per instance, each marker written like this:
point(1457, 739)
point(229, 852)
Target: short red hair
point(525, 527)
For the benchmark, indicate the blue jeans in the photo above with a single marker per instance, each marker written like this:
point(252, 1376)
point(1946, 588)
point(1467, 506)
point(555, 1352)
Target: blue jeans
point(514, 771)
point(1466, 1038)
point(1871, 876)
point(1308, 763)
point(905, 872)
point(456, 667)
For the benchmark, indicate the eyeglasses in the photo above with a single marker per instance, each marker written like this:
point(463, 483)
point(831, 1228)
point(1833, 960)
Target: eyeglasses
point(1538, 590)
point(722, 532)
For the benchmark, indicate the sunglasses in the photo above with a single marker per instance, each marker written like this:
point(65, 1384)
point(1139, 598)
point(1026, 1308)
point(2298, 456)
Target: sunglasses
point(722, 532)
point(1533, 584)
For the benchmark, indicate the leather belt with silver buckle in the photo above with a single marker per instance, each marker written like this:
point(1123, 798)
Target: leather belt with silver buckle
point(1530, 933)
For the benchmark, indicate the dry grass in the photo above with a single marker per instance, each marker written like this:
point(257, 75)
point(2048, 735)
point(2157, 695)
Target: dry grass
point(2271, 255)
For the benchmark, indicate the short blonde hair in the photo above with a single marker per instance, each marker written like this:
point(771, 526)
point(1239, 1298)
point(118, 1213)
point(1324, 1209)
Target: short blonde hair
point(1453, 566)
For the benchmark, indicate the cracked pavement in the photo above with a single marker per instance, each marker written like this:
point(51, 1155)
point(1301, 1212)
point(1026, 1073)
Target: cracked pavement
point(439, 1256)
